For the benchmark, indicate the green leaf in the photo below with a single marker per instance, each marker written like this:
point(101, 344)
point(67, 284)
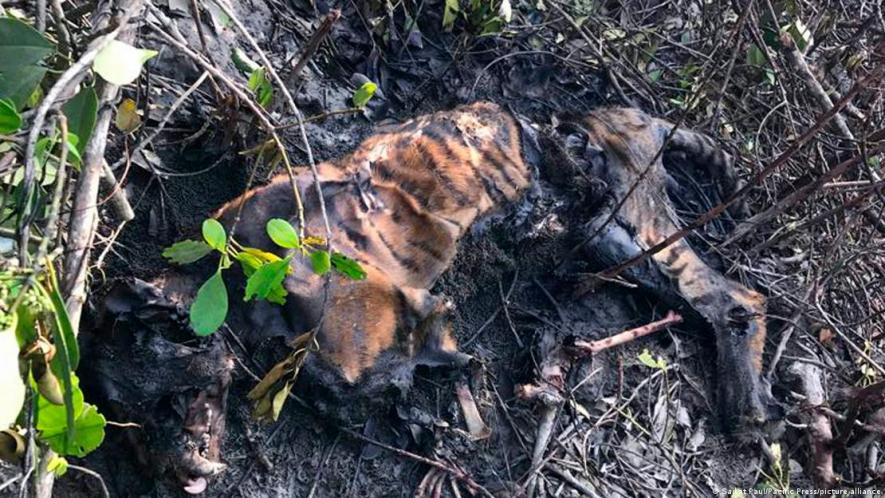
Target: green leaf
point(242, 61)
point(450, 13)
point(210, 307)
point(755, 56)
point(267, 279)
point(214, 234)
point(60, 421)
point(321, 262)
point(35, 98)
point(283, 234)
point(260, 85)
point(57, 465)
point(186, 251)
point(65, 339)
point(21, 45)
point(348, 267)
point(88, 434)
point(648, 360)
point(249, 262)
point(120, 63)
point(81, 112)
point(10, 120)
point(800, 33)
point(263, 256)
point(52, 416)
point(12, 389)
point(73, 143)
point(19, 84)
point(364, 94)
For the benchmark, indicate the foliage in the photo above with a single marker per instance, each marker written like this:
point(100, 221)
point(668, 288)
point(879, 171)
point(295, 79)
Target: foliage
point(363, 94)
point(39, 353)
point(38, 340)
point(22, 51)
point(265, 271)
point(483, 17)
point(120, 63)
point(260, 85)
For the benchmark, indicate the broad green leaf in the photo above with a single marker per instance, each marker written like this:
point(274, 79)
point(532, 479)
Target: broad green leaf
point(12, 389)
point(648, 360)
point(347, 266)
point(81, 112)
point(10, 120)
point(261, 86)
point(186, 251)
point(210, 307)
point(52, 416)
point(88, 434)
point(60, 421)
point(320, 262)
point(283, 234)
point(120, 63)
point(267, 278)
point(364, 94)
point(18, 84)
point(21, 45)
point(450, 13)
point(215, 235)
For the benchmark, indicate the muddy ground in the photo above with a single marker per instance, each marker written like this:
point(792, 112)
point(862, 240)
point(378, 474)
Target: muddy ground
point(629, 431)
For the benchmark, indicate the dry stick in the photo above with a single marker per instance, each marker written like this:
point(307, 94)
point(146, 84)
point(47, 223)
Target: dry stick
point(554, 369)
point(691, 101)
point(820, 433)
point(239, 92)
point(293, 108)
point(456, 473)
point(799, 195)
point(116, 196)
point(856, 200)
point(55, 204)
point(70, 77)
point(84, 215)
point(714, 212)
point(64, 36)
point(159, 128)
point(800, 65)
point(314, 44)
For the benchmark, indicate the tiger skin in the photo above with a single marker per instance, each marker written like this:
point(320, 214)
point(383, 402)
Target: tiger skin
point(618, 145)
point(402, 201)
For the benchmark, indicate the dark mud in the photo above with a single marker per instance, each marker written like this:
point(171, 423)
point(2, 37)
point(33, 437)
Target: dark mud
point(303, 455)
